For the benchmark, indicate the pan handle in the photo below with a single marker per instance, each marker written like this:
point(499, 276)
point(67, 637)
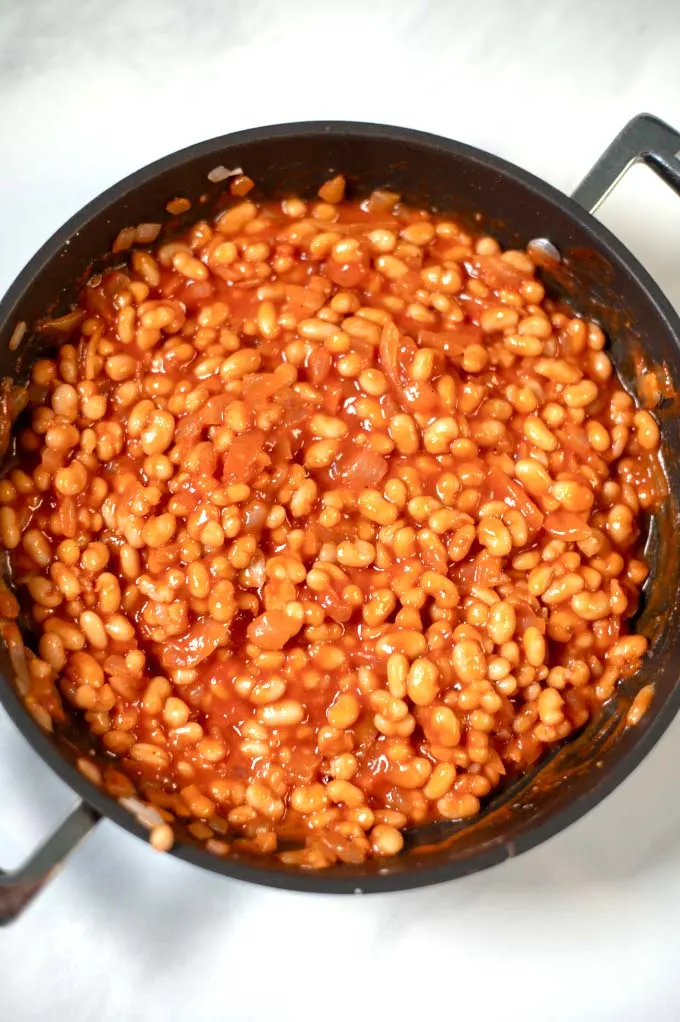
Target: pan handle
point(645, 139)
point(19, 887)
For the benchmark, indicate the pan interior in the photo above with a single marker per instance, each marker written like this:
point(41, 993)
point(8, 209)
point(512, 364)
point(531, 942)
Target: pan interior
point(596, 275)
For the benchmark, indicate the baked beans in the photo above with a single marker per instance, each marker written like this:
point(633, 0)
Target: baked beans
point(327, 520)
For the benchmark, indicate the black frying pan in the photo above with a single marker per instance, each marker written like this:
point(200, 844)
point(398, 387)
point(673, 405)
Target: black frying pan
point(601, 279)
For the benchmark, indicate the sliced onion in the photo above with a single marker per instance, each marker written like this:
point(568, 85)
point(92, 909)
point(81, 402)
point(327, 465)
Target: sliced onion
point(17, 655)
point(196, 645)
point(147, 815)
point(413, 397)
point(63, 324)
point(568, 526)
point(221, 173)
point(508, 490)
point(17, 335)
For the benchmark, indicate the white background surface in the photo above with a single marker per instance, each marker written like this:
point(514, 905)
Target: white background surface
point(584, 928)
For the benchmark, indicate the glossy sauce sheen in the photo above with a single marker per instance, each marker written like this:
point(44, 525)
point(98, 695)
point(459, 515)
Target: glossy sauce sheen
point(356, 529)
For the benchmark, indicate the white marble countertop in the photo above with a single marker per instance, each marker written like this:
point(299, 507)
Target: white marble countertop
point(583, 928)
